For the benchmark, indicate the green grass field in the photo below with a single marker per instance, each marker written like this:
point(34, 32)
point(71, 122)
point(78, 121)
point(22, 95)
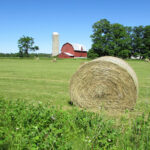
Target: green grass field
point(28, 89)
point(43, 80)
point(37, 80)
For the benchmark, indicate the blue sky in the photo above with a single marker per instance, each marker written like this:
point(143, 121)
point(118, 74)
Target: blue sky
point(73, 19)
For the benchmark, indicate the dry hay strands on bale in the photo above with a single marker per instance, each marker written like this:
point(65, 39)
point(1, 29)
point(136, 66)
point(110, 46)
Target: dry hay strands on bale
point(82, 63)
point(107, 82)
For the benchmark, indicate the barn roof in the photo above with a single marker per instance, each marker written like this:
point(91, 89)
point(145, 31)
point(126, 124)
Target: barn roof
point(78, 47)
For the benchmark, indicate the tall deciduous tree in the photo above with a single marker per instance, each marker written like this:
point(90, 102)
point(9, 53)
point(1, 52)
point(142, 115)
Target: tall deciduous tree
point(100, 37)
point(146, 41)
point(110, 39)
point(25, 44)
point(121, 40)
point(138, 41)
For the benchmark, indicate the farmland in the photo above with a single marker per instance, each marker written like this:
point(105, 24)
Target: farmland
point(37, 80)
point(30, 86)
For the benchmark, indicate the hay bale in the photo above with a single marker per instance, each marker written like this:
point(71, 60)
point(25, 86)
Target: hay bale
point(37, 58)
point(147, 60)
point(54, 60)
point(107, 82)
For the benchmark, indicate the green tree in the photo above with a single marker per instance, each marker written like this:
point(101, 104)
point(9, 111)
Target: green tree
point(111, 39)
point(138, 41)
point(146, 41)
point(25, 44)
point(101, 37)
point(124, 54)
point(121, 40)
point(91, 54)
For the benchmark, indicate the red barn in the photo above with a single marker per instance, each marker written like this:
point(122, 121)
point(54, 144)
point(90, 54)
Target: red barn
point(69, 50)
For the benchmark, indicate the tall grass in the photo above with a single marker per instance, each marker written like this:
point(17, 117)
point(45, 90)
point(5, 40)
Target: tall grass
point(28, 127)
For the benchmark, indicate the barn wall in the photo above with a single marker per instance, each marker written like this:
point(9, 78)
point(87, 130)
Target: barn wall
point(62, 55)
point(80, 54)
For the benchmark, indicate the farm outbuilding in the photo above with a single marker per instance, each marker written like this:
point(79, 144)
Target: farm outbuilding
point(69, 50)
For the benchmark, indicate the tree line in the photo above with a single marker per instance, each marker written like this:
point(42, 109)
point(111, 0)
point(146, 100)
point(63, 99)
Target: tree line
point(31, 55)
point(120, 41)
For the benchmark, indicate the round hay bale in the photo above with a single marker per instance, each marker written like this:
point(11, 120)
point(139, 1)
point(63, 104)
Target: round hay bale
point(54, 60)
point(107, 82)
point(37, 58)
point(147, 60)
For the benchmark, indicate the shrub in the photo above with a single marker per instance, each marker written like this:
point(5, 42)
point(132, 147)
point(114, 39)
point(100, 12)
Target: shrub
point(91, 54)
point(124, 54)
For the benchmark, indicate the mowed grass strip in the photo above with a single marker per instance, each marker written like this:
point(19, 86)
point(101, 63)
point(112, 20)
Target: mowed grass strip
point(37, 80)
point(46, 81)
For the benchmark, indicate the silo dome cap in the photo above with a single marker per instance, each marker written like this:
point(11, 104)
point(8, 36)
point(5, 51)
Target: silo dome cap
point(55, 33)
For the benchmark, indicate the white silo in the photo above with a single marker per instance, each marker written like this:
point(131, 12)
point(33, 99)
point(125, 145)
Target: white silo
point(55, 44)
